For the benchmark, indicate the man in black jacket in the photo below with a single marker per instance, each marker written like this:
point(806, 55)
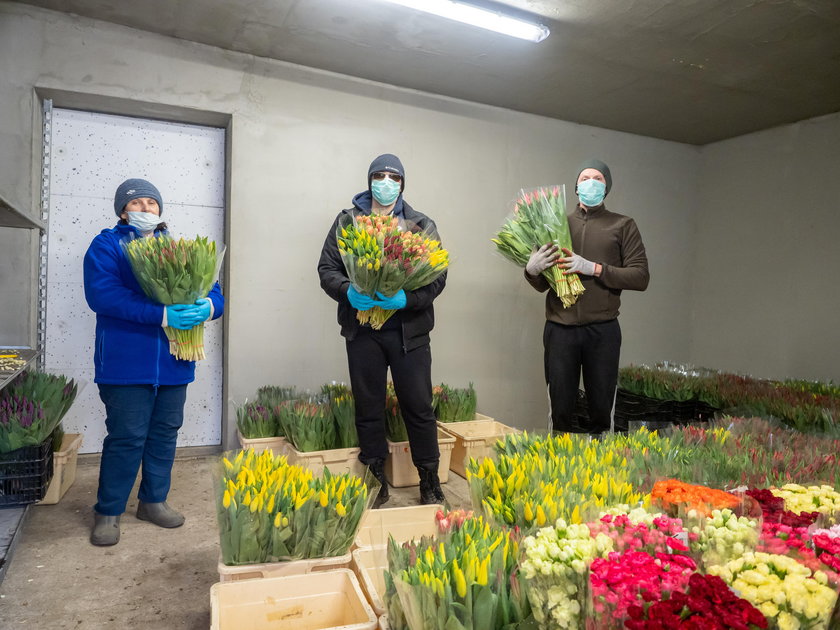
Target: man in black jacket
point(401, 344)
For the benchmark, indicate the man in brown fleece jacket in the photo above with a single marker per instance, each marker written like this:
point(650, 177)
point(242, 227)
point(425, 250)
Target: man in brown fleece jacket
point(609, 256)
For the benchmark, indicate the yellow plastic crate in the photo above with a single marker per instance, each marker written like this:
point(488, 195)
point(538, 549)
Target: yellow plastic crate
point(399, 469)
point(279, 569)
point(369, 565)
point(277, 445)
point(404, 524)
point(317, 601)
point(474, 439)
point(338, 460)
point(64, 469)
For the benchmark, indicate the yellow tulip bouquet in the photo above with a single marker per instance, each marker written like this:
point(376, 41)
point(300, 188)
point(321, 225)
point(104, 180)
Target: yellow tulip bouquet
point(380, 256)
point(269, 510)
point(465, 580)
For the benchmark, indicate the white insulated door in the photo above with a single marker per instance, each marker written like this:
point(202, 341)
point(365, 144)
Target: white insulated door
point(91, 155)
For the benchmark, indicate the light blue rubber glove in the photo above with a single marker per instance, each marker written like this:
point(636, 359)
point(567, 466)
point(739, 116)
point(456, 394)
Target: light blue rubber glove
point(360, 301)
point(204, 309)
point(393, 303)
point(182, 316)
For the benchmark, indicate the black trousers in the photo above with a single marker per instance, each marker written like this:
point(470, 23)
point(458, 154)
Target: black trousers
point(593, 349)
point(369, 355)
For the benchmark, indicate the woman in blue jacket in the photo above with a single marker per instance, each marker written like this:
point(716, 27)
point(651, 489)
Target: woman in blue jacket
point(143, 386)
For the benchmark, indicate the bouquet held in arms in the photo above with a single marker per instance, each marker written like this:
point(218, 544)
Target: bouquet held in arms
point(382, 257)
point(539, 218)
point(176, 272)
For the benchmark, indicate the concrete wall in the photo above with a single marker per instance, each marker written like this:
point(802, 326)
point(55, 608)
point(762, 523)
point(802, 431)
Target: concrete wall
point(767, 292)
point(301, 141)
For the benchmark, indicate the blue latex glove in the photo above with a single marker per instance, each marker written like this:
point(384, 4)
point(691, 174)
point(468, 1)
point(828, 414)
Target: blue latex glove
point(394, 303)
point(204, 309)
point(182, 316)
point(360, 301)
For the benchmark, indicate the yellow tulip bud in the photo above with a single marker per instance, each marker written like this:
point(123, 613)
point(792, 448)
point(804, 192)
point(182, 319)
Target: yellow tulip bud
point(340, 509)
point(226, 499)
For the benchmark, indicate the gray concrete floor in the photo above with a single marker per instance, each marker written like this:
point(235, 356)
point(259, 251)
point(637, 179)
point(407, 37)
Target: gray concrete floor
point(155, 579)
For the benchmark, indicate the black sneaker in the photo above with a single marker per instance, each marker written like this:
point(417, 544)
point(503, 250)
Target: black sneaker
point(430, 490)
point(377, 469)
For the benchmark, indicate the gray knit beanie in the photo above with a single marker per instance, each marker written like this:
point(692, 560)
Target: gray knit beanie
point(135, 189)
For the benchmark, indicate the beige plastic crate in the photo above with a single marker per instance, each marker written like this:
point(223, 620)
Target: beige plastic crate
point(383, 623)
point(317, 601)
point(479, 417)
point(338, 460)
point(474, 439)
point(280, 569)
point(399, 469)
point(369, 565)
point(405, 523)
point(276, 444)
point(64, 468)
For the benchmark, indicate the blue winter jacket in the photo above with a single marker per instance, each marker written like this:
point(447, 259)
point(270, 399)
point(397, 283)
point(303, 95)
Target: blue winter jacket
point(131, 346)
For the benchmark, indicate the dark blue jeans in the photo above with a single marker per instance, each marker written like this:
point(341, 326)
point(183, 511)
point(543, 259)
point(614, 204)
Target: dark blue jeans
point(142, 423)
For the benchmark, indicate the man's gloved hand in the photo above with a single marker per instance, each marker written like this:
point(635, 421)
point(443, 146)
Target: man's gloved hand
point(576, 264)
point(182, 316)
point(204, 309)
point(360, 301)
point(393, 303)
point(541, 259)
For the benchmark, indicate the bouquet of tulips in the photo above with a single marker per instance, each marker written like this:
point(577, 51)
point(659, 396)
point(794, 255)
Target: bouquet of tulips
point(31, 408)
point(466, 580)
point(381, 257)
point(176, 272)
point(256, 421)
point(394, 423)
point(269, 510)
point(343, 409)
point(539, 218)
point(454, 405)
point(308, 424)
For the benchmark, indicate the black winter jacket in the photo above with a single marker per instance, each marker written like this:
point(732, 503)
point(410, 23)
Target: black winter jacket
point(418, 316)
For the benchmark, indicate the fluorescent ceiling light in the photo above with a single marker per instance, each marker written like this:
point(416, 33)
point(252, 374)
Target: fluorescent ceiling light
point(477, 16)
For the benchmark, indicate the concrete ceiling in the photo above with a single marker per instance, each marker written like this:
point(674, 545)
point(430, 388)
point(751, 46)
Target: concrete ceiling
point(693, 71)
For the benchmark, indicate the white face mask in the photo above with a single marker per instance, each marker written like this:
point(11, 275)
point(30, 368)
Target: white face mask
point(145, 222)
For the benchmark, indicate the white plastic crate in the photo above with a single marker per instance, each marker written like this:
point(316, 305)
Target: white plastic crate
point(399, 469)
point(404, 524)
point(231, 573)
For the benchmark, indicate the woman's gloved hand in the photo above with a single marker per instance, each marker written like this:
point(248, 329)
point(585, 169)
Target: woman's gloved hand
point(393, 303)
point(182, 316)
point(359, 301)
point(205, 309)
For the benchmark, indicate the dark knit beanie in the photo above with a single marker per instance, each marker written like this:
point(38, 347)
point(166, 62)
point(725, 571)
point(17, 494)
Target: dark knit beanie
point(598, 165)
point(387, 163)
point(135, 189)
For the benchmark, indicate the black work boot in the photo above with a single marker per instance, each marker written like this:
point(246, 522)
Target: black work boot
point(160, 514)
point(430, 490)
point(377, 469)
point(106, 530)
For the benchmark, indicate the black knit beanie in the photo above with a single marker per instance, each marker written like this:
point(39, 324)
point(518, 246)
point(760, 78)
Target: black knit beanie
point(387, 163)
point(598, 165)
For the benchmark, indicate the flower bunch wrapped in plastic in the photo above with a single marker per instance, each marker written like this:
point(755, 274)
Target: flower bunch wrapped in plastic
point(538, 480)
point(256, 421)
point(707, 604)
point(788, 593)
point(343, 408)
point(308, 424)
point(539, 218)
point(269, 510)
point(380, 256)
point(640, 530)
point(676, 496)
point(622, 580)
point(555, 570)
point(773, 509)
point(31, 408)
point(454, 405)
point(466, 580)
point(453, 518)
point(826, 544)
point(823, 499)
point(395, 427)
point(723, 535)
point(176, 272)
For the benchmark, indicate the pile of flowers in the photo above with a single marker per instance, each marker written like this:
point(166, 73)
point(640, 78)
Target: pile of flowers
point(176, 272)
point(343, 410)
point(453, 404)
point(788, 593)
point(31, 408)
point(381, 257)
point(826, 544)
point(395, 427)
point(256, 421)
point(269, 510)
point(798, 499)
point(308, 424)
point(723, 536)
point(539, 218)
point(675, 496)
point(467, 579)
point(640, 530)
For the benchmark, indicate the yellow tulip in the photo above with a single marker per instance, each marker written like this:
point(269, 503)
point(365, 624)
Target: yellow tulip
point(226, 499)
point(340, 509)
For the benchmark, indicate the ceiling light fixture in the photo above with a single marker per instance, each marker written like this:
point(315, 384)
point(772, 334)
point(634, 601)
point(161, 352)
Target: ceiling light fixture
point(477, 16)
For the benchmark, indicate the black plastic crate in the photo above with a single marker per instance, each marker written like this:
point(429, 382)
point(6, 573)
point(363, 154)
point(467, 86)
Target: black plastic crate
point(25, 473)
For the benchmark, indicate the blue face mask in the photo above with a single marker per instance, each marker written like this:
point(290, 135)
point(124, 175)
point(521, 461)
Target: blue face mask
point(591, 192)
point(385, 191)
point(145, 222)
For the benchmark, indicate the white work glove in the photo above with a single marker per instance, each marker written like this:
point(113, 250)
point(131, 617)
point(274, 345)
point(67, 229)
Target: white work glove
point(541, 259)
point(576, 264)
